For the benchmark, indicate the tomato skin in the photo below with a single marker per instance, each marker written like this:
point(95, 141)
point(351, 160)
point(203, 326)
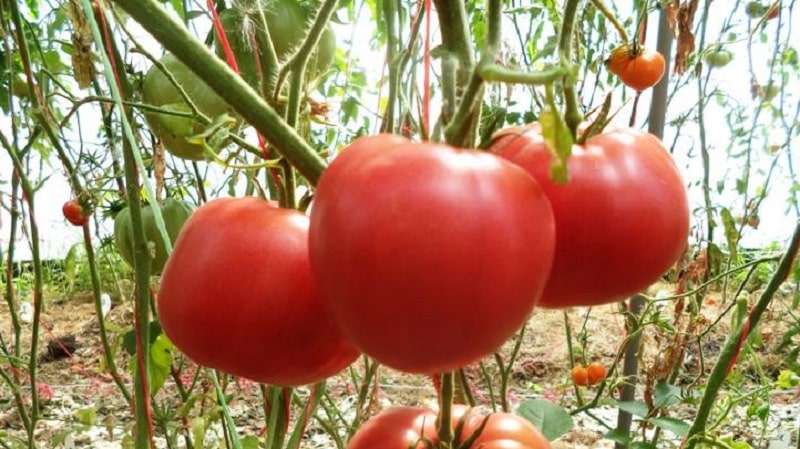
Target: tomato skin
point(74, 213)
point(580, 375)
point(596, 372)
point(237, 295)
point(639, 69)
point(402, 427)
point(430, 256)
point(622, 220)
point(396, 428)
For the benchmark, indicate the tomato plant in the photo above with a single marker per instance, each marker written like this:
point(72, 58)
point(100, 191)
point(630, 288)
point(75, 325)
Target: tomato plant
point(287, 23)
point(237, 295)
point(622, 219)
point(430, 256)
point(580, 375)
point(637, 67)
point(174, 212)
point(596, 372)
point(75, 213)
point(172, 128)
point(414, 427)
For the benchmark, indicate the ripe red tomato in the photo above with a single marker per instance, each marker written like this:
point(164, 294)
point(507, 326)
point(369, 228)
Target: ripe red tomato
point(74, 213)
point(622, 220)
point(430, 257)
point(596, 372)
point(638, 68)
point(396, 428)
point(412, 427)
point(237, 295)
point(580, 375)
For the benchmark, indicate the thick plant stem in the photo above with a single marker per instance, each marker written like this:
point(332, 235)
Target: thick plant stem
point(572, 115)
point(227, 84)
point(446, 411)
point(630, 364)
point(38, 297)
point(720, 370)
point(108, 354)
point(392, 46)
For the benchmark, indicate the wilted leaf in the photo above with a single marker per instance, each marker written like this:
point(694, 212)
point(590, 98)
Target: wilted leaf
point(685, 36)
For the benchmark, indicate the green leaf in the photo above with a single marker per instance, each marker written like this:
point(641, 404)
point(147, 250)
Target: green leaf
point(249, 442)
point(160, 361)
point(618, 436)
point(551, 419)
point(788, 379)
point(129, 339)
point(666, 395)
point(635, 408)
point(86, 416)
point(674, 425)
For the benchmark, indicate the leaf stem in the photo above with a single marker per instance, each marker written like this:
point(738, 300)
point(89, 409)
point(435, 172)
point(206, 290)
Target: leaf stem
point(572, 115)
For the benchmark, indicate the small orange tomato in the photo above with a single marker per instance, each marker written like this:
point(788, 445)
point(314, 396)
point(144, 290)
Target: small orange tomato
point(596, 372)
point(637, 67)
point(580, 375)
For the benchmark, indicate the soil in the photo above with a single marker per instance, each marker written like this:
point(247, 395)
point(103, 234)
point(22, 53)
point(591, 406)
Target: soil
point(82, 406)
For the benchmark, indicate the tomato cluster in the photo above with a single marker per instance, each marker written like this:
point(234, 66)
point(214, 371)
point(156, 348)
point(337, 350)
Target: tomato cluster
point(423, 256)
point(414, 427)
point(592, 374)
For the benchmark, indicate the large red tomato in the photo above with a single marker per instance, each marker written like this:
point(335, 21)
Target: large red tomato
point(430, 257)
point(622, 220)
point(396, 428)
point(237, 295)
point(412, 428)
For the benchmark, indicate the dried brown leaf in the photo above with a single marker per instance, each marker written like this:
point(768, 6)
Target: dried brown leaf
point(82, 40)
point(686, 39)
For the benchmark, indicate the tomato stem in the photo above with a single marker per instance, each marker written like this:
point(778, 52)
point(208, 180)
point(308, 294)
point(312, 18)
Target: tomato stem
point(572, 115)
point(445, 431)
point(603, 9)
point(174, 36)
point(729, 350)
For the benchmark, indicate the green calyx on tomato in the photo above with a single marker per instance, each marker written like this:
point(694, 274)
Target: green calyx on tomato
point(621, 221)
point(287, 22)
point(237, 295)
point(171, 124)
point(174, 212)
point(430, 257)
point(76, 212)
point(415, 428)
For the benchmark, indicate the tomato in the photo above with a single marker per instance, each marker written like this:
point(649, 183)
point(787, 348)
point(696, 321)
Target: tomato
point(157, 90)
point(237, 295)
point(580, 375)
point(430, 256)
point(718, 57)
point(638, 68)
point(174, 212)
point(596, 372)
point(396, 428)
point(75, 213)
point(413, 427)
point(287, 23)
point(622, 220)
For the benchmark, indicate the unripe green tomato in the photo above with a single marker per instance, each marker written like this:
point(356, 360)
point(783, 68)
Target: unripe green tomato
point(769, 92)
point(175, 214)
point(157, 90)
point(718, 58)
point(755, 9)
point(287, 22)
